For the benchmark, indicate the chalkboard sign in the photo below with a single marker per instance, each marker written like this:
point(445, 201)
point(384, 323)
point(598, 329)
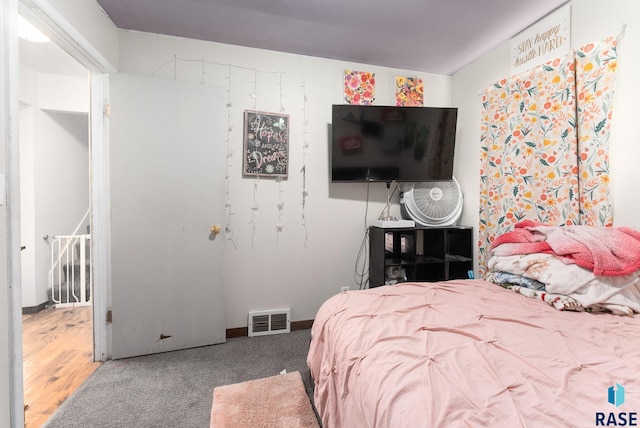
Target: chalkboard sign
point(266, 144)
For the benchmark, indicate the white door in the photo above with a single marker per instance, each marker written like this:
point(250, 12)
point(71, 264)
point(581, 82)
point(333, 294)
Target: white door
point(168, 160)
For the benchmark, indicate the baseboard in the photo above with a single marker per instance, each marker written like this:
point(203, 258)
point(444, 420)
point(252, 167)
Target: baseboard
point(301, 325)
point(34, 309)
point(244, 331)
point(230, 332)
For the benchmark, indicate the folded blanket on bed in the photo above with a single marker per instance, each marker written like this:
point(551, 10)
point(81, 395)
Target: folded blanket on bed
point(507, 278)
point(603, 250)
point(558, 301)
point(534, 289)
point(618, 294)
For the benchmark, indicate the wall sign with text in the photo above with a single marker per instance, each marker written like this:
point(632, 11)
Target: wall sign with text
point(266, 144)
point(544, 41)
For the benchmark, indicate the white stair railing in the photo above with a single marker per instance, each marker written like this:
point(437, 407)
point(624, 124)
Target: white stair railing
point(70, 272)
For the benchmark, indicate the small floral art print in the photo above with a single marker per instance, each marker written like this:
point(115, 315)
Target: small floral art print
point(409, 91)
point(266, 144)
point(359, 87)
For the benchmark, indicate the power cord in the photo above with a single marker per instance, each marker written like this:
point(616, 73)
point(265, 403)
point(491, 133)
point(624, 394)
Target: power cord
point(387, 207)
point(361, 271)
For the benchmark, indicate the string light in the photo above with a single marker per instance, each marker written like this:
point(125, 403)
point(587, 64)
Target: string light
point(305, 149)
point(282, 108)
point(280, 205)
point(254, 210)
point(227, 204)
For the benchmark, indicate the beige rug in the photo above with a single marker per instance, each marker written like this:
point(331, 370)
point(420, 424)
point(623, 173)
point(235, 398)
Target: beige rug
point(273, 402)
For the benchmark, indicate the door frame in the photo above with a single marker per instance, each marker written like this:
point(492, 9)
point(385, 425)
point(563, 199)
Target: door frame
point(60, 31)
point(10, 198)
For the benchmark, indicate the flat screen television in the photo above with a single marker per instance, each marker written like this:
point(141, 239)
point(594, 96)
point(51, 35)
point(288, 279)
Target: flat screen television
point(380, 143)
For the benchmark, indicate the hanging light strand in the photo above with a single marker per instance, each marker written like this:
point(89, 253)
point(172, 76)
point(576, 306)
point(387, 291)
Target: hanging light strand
point(280, 206)
point(227, 179)
point(254, 207)
point(280, 203)
point(254, 211)
point(305, 149)
point(229, 105)
point(282, 107)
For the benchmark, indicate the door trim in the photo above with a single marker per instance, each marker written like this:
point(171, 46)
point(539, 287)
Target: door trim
point(100, 218)
point(11, 200)
point(66, 36)
point(46, 18)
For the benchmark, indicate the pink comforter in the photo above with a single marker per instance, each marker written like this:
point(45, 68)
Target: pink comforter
point(467, 353)
point(603, 250)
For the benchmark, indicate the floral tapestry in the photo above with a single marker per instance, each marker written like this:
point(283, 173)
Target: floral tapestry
point(359, 87)
point(528, 151)
point(596, 66)
point(545, 145)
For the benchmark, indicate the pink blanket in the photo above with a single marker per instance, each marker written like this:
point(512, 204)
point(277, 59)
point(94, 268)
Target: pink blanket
point(603, 250)
point(467, 353)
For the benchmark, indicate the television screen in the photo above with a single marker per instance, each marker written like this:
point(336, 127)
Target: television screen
point(378, 143)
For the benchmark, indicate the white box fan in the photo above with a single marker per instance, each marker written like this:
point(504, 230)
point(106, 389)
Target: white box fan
point(432, 203)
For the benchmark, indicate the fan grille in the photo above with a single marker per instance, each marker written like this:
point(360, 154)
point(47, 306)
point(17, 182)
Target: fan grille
point(434, 203)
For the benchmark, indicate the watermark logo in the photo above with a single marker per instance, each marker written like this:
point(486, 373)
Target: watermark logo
point(616, 395)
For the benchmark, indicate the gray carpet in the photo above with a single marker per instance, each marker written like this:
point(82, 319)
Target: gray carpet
point(175, 389)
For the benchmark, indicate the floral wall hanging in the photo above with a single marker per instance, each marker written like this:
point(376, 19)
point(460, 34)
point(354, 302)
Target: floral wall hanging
point(529, 154)
point(409, 91)
point(359, 87)
point(596, 65)
point(545, 145)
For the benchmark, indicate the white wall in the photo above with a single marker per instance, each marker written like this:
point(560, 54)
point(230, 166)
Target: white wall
point(91, 22)
point(27, 207)
point(28, 98)
point(54, 170)
point(591, 21)
point(307, 262)
point(63, 93)
point(61, 184)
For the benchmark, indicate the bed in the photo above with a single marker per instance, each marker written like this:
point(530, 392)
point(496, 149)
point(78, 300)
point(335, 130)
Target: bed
point(472, 353)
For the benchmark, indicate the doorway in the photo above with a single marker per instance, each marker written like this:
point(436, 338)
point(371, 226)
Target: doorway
point(55, 202)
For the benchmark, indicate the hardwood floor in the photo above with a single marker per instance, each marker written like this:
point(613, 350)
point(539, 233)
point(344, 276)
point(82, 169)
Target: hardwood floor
point(58, 357)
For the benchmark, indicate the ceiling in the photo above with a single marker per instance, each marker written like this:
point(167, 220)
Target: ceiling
point(435, 36)
point(49, 58)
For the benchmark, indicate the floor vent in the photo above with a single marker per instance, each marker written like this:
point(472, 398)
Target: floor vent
point(262, 323)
